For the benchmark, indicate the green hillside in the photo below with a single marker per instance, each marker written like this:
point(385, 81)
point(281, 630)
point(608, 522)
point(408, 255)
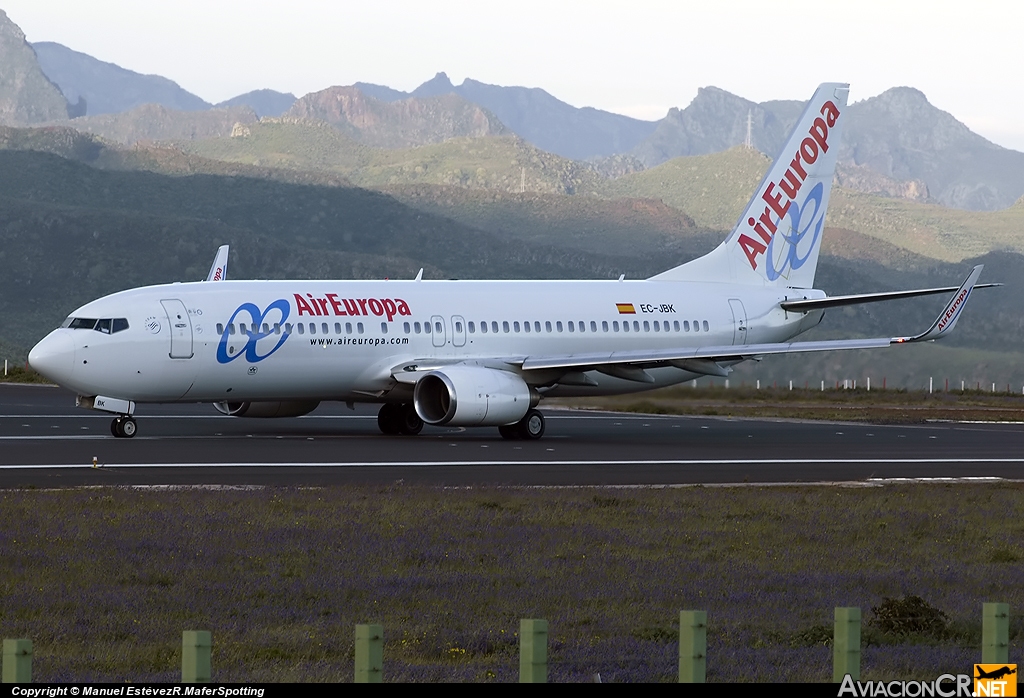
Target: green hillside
point(494, 162)
point(713, 189)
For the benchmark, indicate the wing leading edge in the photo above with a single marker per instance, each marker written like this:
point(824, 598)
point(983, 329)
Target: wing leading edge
point(942, 326)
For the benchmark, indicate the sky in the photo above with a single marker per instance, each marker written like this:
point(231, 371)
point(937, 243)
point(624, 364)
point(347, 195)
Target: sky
point(637, 58)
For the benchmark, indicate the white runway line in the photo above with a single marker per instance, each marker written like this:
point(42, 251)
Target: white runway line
point(486, 463)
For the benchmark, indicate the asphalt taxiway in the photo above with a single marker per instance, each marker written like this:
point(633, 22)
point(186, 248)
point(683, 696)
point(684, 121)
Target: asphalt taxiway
point(45, 441)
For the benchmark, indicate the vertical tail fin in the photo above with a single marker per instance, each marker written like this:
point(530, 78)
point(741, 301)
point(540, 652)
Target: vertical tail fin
point(219, 269)
point(778, 237)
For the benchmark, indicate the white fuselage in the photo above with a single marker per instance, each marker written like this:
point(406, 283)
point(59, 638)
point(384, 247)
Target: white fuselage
point(342, 340)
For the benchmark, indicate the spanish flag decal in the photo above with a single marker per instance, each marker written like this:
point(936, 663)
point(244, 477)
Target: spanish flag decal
point(626, 308)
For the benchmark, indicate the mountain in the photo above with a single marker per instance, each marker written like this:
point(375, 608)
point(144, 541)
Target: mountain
point(263, 102)
point(895, 144)
point(901, 135)
point(536, 116)
point(408, 122)
point(26, 95)
point(108, 88)
point(714, 121)
point(154, 122)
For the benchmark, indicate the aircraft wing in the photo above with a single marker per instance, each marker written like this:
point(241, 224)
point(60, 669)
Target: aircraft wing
point(707, 356)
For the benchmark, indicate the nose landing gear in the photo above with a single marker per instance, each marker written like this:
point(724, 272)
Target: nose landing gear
point(123, 427)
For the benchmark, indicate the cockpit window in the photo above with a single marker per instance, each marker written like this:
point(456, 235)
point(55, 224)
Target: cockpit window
point(106, 325)
point(81, 323)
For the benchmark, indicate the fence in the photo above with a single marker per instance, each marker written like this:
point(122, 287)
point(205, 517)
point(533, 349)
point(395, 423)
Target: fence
point(196, 647)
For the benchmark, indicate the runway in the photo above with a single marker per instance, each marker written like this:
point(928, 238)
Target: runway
point(45, 441)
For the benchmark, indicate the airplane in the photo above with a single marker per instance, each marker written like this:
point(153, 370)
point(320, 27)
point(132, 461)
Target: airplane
point(995, 673)
point(478, 353)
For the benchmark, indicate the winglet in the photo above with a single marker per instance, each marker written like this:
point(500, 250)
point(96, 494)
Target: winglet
point(219, 270)
point(946, 321)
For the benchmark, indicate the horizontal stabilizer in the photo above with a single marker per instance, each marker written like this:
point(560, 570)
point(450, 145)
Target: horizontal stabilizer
point(804, 306)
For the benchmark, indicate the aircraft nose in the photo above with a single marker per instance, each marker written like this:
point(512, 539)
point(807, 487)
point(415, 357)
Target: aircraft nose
point(54, 356)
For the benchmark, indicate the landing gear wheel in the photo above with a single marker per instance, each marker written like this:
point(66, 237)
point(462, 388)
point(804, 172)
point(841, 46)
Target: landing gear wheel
point(128, 427)
point(409, 423)
point(123, 427)
point(387, 419)
point(509, 432)
point(531, 427)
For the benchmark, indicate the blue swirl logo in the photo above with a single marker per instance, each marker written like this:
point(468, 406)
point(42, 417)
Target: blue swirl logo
point(226, 353)
point(800, 239)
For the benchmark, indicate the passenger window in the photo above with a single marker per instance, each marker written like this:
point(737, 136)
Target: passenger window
point(348, 328)
point(322, 327)
point(558, 325)
point(287, 328)
point(572, 327)
point(103, 326)
point(438, 329)
point(241, 328)
point(593, 326)
point(359, 327)
point(472, 327)
point(300, 327)
point(657, 328)
point(696, 325)
point(615, 324)
point(220, 328)
point(406, 328)
point(604, 325)
point(494, 326)
point(384, 328)
point(515, 326)
point(625, 326)
point(647, 326)
point(337, 327)
point(483, 327)
point(636, 325)
point(458, 326)
point(547, 325)
point(312, 328)
point(526, 326)
point(504, 326)
point(675, 324)
point(706, 327)
point(416, 327)
point(536, 325)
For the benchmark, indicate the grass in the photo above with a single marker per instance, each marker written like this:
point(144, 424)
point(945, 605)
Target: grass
point(877, 406)
point(104, 580)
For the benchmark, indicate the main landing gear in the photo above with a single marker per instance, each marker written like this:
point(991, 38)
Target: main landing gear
point(399, 419)
point(529, 428)
point(123, 426)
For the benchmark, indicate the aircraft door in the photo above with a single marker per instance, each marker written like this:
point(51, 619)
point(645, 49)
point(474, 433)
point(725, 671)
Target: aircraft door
point(458, 331)
point(739, 321)
point(180, 326)
point(437, 331)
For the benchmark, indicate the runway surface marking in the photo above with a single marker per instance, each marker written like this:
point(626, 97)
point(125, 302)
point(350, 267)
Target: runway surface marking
point(483, 463)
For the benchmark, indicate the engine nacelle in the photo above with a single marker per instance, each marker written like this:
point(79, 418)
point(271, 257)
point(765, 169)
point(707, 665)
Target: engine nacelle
point(472, 396)
point(292, 408)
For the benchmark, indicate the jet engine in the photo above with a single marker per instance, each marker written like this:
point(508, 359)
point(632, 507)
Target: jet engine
point(288, 408)
point(472, 396)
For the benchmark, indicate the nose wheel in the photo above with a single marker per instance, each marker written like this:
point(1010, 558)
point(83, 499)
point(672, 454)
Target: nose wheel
point(123, 427)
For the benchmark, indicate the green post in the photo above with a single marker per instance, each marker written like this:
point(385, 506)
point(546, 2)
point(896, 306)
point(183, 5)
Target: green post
point(995, 633)
point(195, 656)
point(533, 651)
point(846, 644)
point(369, 653)
point(17, 661)
point(693, 646)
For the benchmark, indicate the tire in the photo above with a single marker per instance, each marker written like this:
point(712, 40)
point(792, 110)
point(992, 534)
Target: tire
point(387, 419)
point(509, 432)
point(409, 423)
point(532, 426)
point(115, 427)
point(128, 427)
